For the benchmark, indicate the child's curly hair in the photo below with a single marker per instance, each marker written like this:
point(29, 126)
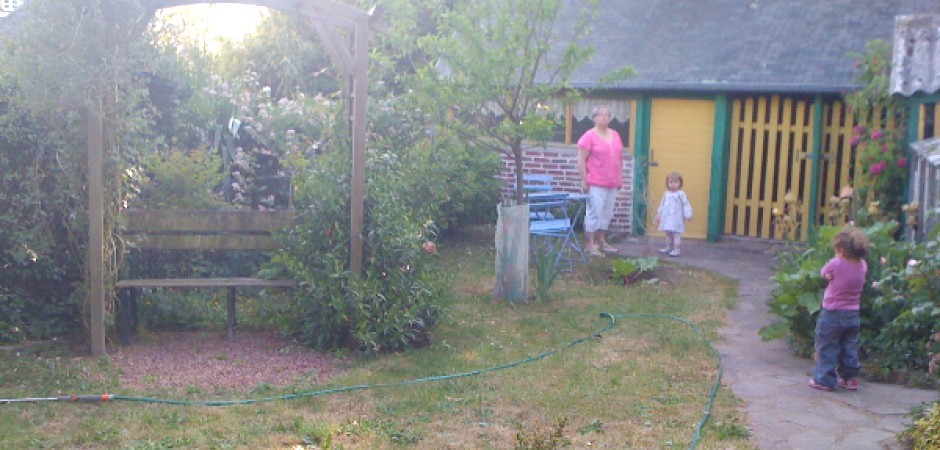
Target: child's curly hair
point(851, 242)
point(674, 176)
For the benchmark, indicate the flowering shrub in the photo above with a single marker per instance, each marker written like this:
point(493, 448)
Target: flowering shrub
point(884, 165)
point(878, 138)
point(261, 133)
point(906, 309)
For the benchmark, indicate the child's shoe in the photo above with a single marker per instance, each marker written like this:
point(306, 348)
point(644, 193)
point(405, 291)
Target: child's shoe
point(850, 385)
point(813, 384)
point(665, 250)
point(674, 252)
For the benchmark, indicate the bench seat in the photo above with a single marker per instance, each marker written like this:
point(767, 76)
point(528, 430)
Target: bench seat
point(188, 230)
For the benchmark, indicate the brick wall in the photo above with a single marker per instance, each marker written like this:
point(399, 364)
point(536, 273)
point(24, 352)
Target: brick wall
point(561, 162)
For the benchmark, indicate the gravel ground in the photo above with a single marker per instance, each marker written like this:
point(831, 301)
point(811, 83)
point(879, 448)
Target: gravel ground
point(184, 360)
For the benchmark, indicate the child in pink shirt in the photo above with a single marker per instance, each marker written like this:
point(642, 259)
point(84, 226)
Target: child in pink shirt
point(838, 328)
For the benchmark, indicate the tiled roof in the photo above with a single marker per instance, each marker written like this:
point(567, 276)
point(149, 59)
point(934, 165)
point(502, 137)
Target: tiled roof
point(916, 62)
point(735, 45)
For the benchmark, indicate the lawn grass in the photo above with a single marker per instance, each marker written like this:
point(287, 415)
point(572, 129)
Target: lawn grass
point(645, 383)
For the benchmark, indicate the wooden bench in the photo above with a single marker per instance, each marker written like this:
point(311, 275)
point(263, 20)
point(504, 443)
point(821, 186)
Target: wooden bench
point(197, 230)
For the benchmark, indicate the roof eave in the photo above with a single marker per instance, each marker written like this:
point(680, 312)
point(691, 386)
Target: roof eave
point(707, 87)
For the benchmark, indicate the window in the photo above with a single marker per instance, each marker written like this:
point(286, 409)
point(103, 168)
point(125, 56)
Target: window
point(580, 121)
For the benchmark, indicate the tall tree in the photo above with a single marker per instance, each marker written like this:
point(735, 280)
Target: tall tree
point(497, 63)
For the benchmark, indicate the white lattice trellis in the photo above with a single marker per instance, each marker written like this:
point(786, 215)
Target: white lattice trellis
point(925, 185)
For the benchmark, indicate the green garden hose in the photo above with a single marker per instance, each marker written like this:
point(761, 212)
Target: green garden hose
point(611, 317)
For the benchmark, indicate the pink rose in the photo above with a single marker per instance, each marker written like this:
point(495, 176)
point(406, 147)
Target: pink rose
point(858, 129)
point(878, 168)
point(902, 162)
point(855, 140)
point(877, 134)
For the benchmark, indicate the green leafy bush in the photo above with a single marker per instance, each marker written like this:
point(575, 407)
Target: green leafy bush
point(456, 185)
point(182, 180)
point(397, 299)
point(39, 255)
point(796, 296)
point(452, 181)
point(907, 311)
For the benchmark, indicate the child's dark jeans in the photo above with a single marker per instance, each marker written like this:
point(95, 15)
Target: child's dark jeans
point(837, 335)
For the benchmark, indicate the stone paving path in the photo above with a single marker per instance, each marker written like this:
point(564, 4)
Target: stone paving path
point(783, 412)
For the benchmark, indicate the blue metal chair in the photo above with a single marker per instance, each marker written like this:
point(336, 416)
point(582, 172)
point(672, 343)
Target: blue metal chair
point(536, 182)
point(551, 228)
point(534, 185)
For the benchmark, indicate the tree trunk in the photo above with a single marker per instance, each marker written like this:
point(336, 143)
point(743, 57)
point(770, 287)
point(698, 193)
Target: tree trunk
point(512, 253)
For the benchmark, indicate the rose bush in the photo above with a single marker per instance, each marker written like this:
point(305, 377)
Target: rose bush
point(883, 164)
point(878, 139)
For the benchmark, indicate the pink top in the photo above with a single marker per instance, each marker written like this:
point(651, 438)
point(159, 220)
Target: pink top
point(845, 289)
point(604, 160)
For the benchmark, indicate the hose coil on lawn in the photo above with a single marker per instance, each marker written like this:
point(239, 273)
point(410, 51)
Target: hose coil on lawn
point(611, 317)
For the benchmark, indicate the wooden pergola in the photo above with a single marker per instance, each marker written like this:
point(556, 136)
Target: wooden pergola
point(345, 32)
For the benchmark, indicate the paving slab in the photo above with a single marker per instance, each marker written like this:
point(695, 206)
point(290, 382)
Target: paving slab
point(782, 411)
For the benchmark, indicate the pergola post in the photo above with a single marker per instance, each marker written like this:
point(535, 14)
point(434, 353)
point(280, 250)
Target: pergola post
point(360, 93)
point(95, 262)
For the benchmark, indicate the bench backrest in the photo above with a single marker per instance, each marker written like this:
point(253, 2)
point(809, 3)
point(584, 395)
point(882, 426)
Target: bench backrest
point(203, 230)
point(536, 182)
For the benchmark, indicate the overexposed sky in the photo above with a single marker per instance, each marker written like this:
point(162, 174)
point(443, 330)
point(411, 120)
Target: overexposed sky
point(219, 19)
point(216, 21)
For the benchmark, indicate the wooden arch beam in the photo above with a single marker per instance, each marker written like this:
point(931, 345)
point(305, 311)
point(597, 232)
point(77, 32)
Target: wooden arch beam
point(355, 70)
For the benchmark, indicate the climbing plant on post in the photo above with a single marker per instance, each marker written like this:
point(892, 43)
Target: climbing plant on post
point(60, 70)
point(879, 137)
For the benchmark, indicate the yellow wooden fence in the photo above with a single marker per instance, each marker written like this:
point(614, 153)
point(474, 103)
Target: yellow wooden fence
point(771, 155)
point(771, 145)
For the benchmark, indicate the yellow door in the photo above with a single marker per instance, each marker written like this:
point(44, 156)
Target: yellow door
point(681, 134)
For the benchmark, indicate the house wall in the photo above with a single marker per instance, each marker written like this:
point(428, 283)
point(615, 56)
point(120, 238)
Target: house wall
point(561, 162)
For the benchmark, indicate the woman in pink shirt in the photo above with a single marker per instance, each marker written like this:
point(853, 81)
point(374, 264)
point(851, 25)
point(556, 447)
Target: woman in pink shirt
point(600, 158)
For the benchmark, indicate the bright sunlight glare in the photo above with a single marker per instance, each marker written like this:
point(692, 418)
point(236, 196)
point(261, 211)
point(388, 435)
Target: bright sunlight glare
point(215, 22)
